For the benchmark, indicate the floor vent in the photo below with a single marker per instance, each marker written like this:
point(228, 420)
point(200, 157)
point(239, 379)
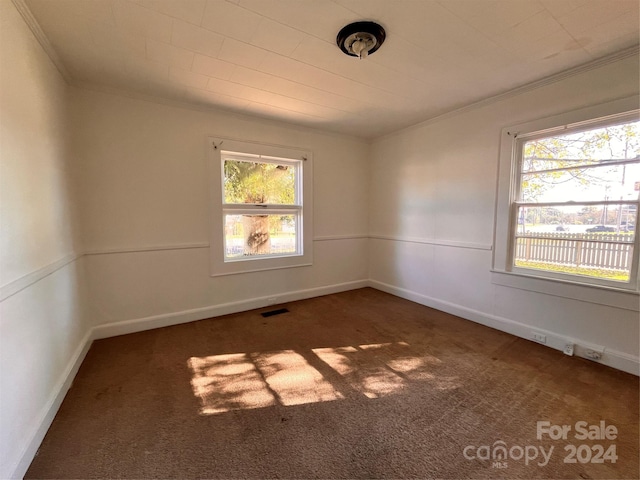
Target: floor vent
point(274, 312)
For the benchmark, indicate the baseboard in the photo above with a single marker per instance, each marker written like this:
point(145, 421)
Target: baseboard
point(185, 316)
point(136, 325)
point(50, 409)
point(618, 360)
point(612, 358)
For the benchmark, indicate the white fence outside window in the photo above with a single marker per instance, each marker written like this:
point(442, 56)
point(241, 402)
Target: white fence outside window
point(592, 250)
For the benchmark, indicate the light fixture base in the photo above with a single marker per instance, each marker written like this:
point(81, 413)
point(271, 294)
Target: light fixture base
point(360, 39)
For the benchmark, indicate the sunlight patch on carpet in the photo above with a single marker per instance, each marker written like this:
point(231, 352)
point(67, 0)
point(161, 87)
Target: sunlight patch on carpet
point(228, 382)
point(399, 358)
point(369, 378)
point(293, 379)
point(241, 381)
point(244, 381)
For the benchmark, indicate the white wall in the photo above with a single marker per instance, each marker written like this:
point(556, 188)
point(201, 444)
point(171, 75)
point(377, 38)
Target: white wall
point(41, 328)
point(144, 183)
point(433, 189)
point(138, 173)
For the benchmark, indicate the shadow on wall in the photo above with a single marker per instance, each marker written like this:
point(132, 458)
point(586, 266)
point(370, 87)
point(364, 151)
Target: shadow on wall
point(241, 381)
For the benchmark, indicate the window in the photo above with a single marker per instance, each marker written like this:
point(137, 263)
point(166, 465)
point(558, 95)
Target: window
point(572, 198)
point(262, 214)
point(262, 206)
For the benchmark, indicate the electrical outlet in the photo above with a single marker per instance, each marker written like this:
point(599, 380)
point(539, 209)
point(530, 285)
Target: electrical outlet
point(593, 354)
point(568, 349)
point(539, 337)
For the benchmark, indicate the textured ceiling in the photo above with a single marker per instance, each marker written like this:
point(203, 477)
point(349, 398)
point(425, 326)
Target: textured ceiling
point(278, 58)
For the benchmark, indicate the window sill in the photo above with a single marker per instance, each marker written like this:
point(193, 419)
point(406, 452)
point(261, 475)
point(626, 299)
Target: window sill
point(259, 265)
point(597, 294)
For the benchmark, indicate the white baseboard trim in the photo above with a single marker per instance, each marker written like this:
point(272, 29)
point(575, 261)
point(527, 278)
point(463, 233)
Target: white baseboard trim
point(50, 409)
point(140, 324)
point(612, 358)
point(185, 316)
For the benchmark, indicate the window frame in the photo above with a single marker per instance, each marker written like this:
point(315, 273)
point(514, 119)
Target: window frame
point(506, 224)
point(226, 148)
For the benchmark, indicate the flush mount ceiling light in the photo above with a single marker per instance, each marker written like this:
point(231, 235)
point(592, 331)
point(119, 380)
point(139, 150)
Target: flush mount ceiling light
point(360, 39)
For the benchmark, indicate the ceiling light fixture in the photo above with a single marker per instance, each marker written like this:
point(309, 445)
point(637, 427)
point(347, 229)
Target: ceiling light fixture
point(361, 39)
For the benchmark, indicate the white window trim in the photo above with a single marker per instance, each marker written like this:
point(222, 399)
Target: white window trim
point(569, 286)
point(218, 265)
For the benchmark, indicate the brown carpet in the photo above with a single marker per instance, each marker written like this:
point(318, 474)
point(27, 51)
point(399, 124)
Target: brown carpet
point(354, 385)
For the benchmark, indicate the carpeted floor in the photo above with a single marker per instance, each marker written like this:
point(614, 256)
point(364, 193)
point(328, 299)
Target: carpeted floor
point(359, 384)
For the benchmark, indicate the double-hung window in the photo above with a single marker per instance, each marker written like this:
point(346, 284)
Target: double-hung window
point(572, 199)
point(262, 215)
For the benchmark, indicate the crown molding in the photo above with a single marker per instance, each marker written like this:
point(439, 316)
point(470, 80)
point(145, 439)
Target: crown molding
point(633, 51)
point(33, 24)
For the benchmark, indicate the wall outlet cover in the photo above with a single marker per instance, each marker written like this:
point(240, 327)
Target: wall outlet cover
point(539, 337)
point(593, 354)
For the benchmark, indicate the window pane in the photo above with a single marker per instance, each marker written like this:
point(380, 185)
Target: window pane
point(590, 147)
point(587, 184)
point(577, 240)
point(258, 182)
point(254, 235)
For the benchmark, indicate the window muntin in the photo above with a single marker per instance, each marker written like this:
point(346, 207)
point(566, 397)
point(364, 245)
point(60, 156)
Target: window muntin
point(575, 202)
